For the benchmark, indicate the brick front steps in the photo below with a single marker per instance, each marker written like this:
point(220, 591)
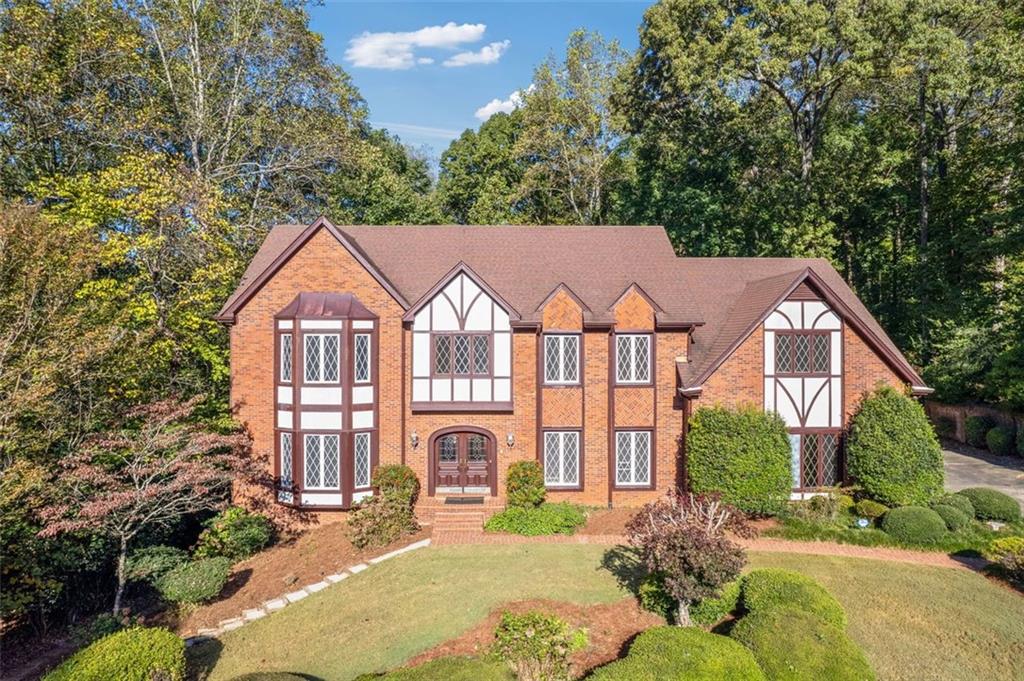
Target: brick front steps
point(275, 604)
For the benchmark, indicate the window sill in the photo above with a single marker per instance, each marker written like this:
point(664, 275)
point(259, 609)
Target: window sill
point(641, 487)
point(456, 407)
point(563, 488)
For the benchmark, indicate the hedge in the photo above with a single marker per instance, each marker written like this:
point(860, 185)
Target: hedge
point(773, 588)
point(744, 454)
point(449, 669)
point(914, 525)
point(791, 645)
point(954, 518)
point(999, 440)
point(196, 581)
point(135, 654)
point(957, 501)
point(976, 428)
point(682, 653)
point(892, 451)
point(546, 519)
point(991, 504)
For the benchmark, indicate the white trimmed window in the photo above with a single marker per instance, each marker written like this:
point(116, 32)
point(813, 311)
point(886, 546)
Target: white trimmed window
point(562, 458)
point(562, 359)
point(320, 357)
point(320, 461)
point(361, 357)
point(361, 460)
point(286, 461)
point(633, 358)
point(286, 358)
point(633, 457)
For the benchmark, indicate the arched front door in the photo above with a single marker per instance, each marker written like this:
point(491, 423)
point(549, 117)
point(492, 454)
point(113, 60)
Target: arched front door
point(463, 461)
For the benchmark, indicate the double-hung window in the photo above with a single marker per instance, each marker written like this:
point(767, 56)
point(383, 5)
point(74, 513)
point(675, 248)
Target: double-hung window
point(633, 358)
point(321, 461)
point(320, 357)
point(802, 353)
point(462, 354)
point(632, 457)
point(562, 458)
point(286, 357)
point(562, 359)
point(361, 460)
point(361, 358)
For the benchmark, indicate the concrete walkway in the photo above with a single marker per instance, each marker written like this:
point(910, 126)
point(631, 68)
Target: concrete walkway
point(969, 467)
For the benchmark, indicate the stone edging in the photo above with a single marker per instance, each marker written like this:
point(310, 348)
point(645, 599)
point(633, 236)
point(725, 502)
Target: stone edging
point(284, 600)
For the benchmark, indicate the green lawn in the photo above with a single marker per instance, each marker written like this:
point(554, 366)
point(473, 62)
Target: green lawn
point(913, 622)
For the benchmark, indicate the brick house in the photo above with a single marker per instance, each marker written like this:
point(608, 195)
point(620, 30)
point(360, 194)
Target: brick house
point(457, 350)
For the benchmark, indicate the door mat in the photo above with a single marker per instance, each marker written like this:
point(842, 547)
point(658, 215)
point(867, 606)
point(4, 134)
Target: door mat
point(463, 501)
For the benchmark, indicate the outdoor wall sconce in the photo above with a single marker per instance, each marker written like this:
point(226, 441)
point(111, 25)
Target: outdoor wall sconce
point(510, 440)
point(414, 439)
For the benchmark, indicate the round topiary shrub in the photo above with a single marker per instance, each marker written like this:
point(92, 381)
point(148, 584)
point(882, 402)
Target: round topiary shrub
point(957, 501)
point(682, 653)
point(991, 504)
point(744, 454)
point(999, 440)
point(976, 428)
point(234, 533)
point(954, 518)
point(914, 525)
point(711, 611)
point(196, 581)
point(791, 645)
point(892, 451)
point(773, 588)
point(397, 480)
point(135, 654)
point(524, 484)
point(867, 508)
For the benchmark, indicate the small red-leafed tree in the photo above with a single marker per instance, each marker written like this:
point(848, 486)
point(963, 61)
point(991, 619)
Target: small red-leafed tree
point(161, 466)
point(682, 537)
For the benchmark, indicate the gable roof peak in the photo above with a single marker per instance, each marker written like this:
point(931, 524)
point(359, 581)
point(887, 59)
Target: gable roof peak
point(460, 268)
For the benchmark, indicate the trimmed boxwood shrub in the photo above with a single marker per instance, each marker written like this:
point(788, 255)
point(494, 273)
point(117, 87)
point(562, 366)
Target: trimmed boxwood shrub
point(235, 534)
point(135, 654)
point(774, 588)
point(744, 454)
point(999, 440)
point(682, 653)
point(711, 611)
point(957, 501)
point(449, 669)
point(892, 451)
point(914, 525)
point(954, 518)
point(791, 645)
point(867, 508)
point(196, 581)
point(991, 504)
point(560, 518)
point(524, 484)
point(976, 428)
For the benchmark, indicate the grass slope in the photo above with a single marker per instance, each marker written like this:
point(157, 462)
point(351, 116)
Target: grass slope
point(913, 622)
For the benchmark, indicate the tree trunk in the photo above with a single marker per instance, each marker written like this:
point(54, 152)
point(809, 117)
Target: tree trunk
point(121, 556)
point(924, 200)
point(683, 615)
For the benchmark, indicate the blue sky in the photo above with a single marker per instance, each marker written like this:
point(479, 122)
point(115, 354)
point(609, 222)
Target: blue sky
point(427, 68)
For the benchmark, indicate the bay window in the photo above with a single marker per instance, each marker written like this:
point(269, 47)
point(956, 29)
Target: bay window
point(320, 357)
point(361, 460)
point(286, 358)
point(320, 461)
point(361, 357)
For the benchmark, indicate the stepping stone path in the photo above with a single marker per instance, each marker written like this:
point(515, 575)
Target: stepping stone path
point(276, 604)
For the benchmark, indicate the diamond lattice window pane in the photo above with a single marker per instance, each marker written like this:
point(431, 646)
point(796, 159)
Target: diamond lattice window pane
point(783, 354)
point(362, 357)
point(642, 457)
point(571, 458)
point(286, 460)
point(481, 355)
point(802, 353)
point(311, 355)
point(477, 449)
point(821, 353)
point(442, 355)
point(809, 466)
point(331, 460)
point(624, 355)
point(361, 459)
point(623, 458)
point(331, 358)
point(286, 358)
point(831, 472)
point(570, 358)
point(552, 456)
point(552, 344)
point(642, 372)
point(448, 453)
point(311, 452)
point(460, 354)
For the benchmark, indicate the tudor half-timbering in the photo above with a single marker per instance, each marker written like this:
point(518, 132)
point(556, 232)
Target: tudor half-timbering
point(457, 350)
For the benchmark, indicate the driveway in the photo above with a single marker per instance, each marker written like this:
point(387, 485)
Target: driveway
point(969, 467)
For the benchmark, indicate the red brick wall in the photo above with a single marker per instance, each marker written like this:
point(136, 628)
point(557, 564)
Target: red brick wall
point(740, 378)
point(863, 371)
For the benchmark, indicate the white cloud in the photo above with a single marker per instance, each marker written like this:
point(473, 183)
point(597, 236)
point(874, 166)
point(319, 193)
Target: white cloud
point(488, 54)
point(395, 50)
point(514, 101)
point(424, 60)
point(418, 130)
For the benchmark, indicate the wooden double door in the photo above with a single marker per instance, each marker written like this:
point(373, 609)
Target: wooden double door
point(464, 463)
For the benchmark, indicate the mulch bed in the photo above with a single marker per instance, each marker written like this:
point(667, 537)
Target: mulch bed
point(610, 628)
point(607, 521)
